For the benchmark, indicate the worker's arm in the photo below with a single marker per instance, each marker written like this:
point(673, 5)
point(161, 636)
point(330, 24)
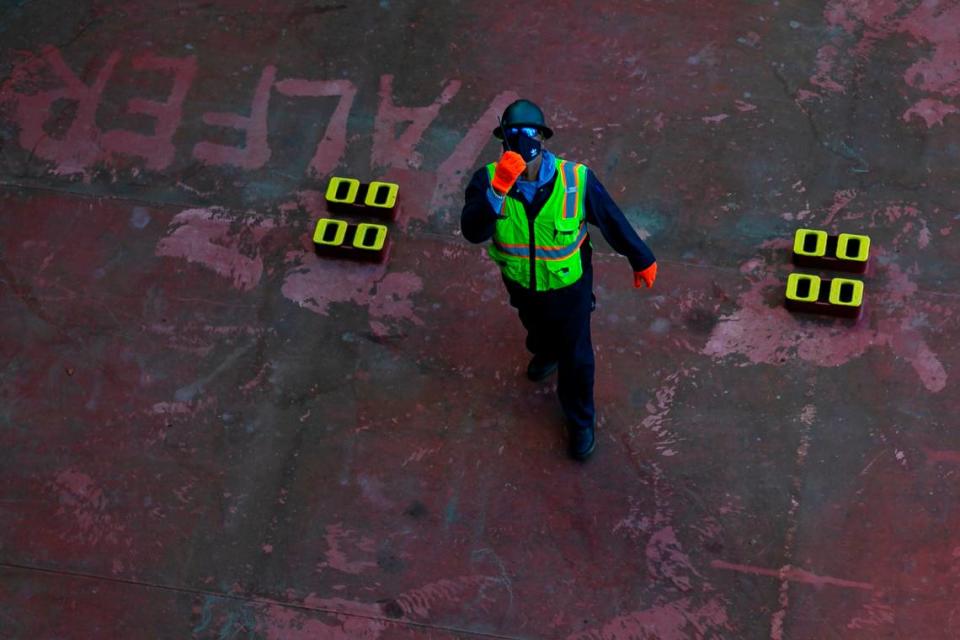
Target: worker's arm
point(480, 208)
point(604, 213)
point(483, 202)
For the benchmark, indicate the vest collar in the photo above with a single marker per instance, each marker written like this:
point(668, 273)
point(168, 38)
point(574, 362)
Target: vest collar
point(548, 166)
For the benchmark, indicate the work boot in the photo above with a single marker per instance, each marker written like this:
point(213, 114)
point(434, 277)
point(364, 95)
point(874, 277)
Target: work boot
point(540, 367)
point(583, 441)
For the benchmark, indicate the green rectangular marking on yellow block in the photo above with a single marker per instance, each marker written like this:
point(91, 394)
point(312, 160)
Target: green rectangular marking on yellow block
point(846, 292)
point(810, 242)
point(851, 246)
point(803, 287)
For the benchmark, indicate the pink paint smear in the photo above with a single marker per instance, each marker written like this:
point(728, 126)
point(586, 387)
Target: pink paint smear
point(678, 620)
point(203, 236)
point(931, 23)
point(769, 334)
point(792, 574)
point(337, 539)
point(84, 513)
point(316, 284)
point(276, 622)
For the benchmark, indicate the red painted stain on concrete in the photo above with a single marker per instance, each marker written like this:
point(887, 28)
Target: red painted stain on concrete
point(841, 199)
point(255, 152)
point(913, 573)
point(157, 148)
point(872, 614)
point(453, 172)
point(823, 78)
point(276, 622)
point(317, 284)
point(344, 618)
point(658, 412)
point(39, 82)
point(419, 603)
point(332, 146)
point(257, 380)
point(340, 605)
point(392, 151)
point(931, 23)
point(171, 407)
point(805, 95)
point(913, 226)
point(936, 24)
point(659, 122)
point(420, 454)
point(84, 143)
point(792, 574)
point(677, 620)
point(203, 236)
point(338, 539)
point(720, 117)
point(666, 559)
point(700, 613)
point(850, 13)
point(82, 508)
point(766, 333)
point(934, 456)
point(931, 111)
point(635, 524)
point(80, 145)
point(790, 536)
point(416, 193)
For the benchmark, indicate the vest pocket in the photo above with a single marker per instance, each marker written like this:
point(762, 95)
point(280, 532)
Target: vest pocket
point(566, 225)
point(563, 273)
point(516, 269)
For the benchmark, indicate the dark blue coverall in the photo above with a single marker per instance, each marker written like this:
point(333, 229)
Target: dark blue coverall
point(558, 321)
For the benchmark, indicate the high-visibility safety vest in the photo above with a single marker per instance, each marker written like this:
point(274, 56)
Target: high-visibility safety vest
point(549, 244)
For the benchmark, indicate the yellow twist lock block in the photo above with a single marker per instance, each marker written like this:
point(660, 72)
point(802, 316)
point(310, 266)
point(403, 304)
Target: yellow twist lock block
point(342, 190)
point(816, 249)
point(340, 239)
point(853, 247)
point(810, 242)
point(382, 195)
point(350, 196)
point(841, 297)
point(846, 292)
point(803, 288)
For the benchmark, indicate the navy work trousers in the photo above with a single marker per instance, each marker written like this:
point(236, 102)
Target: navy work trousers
point(558, 326)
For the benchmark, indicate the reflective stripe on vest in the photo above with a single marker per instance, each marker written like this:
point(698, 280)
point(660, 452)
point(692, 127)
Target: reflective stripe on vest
point(571, 184)
point(544, 253)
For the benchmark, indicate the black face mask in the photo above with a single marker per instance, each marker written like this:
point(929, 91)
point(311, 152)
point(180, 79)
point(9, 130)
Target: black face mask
point(528, 148)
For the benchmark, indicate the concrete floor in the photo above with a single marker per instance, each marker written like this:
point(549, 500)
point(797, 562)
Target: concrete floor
point(210, 432)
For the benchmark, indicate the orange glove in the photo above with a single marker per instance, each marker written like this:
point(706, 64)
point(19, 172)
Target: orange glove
point(509, 168)
point(648, 275)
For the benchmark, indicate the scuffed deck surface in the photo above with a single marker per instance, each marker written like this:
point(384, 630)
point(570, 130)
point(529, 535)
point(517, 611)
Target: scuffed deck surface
point(210, 432)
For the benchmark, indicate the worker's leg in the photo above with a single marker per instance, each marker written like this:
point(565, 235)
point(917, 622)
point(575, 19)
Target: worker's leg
point(570, 331)
point(532, 316)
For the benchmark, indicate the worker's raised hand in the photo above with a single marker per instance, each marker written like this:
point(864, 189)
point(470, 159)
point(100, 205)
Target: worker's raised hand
point(509, 168)
point(647, 276)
